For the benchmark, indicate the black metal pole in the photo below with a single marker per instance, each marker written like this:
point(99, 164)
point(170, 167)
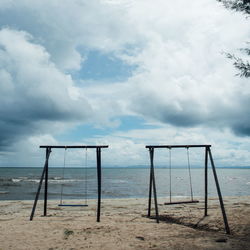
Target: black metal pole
point(150, 185)
point(39, 186)
point(219, 193)
point(206, 162)
point(98, 164)
point(46, 184)
point(153, 182)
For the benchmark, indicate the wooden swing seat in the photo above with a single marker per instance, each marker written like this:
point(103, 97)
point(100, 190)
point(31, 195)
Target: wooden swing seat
point(180, 202)
point(73, 205)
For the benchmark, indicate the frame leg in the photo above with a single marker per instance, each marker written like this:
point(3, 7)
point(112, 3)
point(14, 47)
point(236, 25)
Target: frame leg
point(206, 164)
point(150, 190)
point(151, 151)
point(40, 184)
point(219, 193)
point(46, 184)
point(98, 161)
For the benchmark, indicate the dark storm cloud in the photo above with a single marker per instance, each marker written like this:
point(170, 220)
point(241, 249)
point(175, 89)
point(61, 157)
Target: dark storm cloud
point(34, 93)
point(226, 110)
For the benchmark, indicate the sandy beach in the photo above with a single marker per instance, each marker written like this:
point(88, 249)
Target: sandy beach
point(124, 225)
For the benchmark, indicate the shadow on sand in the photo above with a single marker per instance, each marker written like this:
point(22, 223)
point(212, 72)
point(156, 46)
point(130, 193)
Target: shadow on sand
point(180, 221)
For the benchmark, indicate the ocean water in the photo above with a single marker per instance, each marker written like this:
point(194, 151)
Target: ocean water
point(79, 183)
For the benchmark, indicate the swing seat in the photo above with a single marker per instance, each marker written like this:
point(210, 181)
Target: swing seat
point(73, 205)
point(180, 202)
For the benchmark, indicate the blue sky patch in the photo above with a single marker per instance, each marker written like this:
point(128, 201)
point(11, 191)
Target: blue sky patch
point(104, 67)
point(85, 131)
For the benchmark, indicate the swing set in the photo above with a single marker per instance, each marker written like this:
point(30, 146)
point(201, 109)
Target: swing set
point(152, 182)
point(44, 177)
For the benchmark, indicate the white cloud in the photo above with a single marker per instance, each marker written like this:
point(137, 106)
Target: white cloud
point(34, 92)
point(186, 80)
point(63, 28)
point(127, 148)
point(181, 79)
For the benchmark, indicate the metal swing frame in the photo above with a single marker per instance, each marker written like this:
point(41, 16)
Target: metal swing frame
point(208, 156)
point(61, 199)
point(44, 177)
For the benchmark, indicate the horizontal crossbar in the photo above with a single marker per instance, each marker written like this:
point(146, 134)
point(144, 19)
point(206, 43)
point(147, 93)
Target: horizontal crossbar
point(177, 146)
point(81, 146)
point(180, 202)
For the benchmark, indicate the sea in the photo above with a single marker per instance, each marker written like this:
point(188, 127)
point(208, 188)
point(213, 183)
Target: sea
point(20, 183)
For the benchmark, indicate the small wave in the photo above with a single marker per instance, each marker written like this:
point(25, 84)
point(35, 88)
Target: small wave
point(56, 178)
point(232, 178)
point(16, 180)
point(33, 180)
point(119, 181)
point(179, 178)
point(23, 177)
point(5, 182)
point(61, 181)
point(53, 180)
point(248, 183)
point(4, 192)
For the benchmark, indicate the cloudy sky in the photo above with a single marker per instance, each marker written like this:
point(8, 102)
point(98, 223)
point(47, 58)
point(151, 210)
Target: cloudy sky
point(124, 73)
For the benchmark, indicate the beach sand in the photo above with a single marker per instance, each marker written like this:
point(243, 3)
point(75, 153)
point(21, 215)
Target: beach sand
point(124, 225)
